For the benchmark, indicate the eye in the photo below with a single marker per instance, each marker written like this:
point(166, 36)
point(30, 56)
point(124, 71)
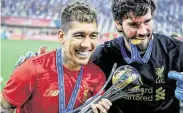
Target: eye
point(134, 25)
point(78, 36)
point(93, 36)
point(147, 21)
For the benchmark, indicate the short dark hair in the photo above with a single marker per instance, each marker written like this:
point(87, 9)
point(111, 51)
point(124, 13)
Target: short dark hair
point(79, 12)
point(122, 8)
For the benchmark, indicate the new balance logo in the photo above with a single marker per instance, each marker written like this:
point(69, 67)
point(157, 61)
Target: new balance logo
point(160, 94)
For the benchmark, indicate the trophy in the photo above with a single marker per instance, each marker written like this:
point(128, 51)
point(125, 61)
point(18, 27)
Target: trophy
point(125, 80)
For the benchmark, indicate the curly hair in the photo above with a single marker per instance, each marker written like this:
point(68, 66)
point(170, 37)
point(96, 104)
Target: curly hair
point(122, 8)
point(79, 12)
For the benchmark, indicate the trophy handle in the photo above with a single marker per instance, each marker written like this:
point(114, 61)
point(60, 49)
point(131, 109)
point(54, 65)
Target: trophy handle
point(111, 92)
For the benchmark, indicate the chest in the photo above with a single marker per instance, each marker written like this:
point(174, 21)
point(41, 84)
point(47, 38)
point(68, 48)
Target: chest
point(157, 87)
point(47, 91)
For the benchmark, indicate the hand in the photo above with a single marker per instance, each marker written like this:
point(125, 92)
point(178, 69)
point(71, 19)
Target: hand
point(103, 106)
point(30, 54)
point(179, 89)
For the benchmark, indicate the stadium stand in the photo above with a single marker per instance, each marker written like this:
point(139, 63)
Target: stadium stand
point(40, 14)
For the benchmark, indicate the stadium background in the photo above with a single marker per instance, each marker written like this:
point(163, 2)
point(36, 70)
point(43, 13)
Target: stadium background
point(27, 24)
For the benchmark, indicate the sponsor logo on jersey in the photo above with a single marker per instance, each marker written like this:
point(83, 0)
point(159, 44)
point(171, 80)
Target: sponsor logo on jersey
point(147, 94)
point(160, 94)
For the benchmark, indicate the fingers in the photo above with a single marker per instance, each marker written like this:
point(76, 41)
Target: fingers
point(23, 58)
point(94, 108)
point(42, 50)
point(179, 89)
point(105, 103)
point(29, 54)
point(103, 106)
point(20, 61)
point(175, 75)
point(179, 93)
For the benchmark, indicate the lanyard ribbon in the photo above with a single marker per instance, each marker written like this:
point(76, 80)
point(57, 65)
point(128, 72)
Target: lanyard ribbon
point(135, 55)
point(60, 72)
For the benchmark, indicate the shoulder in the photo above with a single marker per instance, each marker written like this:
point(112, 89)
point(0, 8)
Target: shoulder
point(24, 72)
point(112, 44)
point(106, 49)
point(45, 61)
point(23, 75)
point(44, 57)
point(172, 46)
point(115, 43)
point(30, 68)
point(168, 43)
point(167, 40)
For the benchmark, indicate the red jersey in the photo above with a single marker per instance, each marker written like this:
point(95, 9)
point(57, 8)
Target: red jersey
point(33, 86)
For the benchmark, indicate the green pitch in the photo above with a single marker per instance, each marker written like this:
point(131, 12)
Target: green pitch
point(11, 50)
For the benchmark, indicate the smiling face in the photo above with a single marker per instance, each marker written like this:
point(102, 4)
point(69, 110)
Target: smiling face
point(79, 43)
point(138, 30)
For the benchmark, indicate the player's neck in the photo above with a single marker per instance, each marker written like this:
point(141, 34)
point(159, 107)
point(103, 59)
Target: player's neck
point(70, 65)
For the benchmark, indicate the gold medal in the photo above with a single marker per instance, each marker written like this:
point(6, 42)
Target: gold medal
point(136, 41)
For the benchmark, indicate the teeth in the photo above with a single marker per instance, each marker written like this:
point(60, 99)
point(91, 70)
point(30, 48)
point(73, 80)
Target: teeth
point(83, 53)
point(141, 38)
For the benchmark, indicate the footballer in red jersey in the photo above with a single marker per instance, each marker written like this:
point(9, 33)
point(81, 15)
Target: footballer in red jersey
point(33, 87)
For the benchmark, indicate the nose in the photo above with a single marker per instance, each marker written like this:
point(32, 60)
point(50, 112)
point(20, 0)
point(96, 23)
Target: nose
point(86, 43)
point(142, 30)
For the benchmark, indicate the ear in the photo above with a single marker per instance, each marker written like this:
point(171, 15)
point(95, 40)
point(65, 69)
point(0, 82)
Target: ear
point(60, 36)
point(118, 26)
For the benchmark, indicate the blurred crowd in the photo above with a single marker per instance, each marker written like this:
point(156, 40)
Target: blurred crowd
point(169, 16)
point(48, 9)
point(168, 19)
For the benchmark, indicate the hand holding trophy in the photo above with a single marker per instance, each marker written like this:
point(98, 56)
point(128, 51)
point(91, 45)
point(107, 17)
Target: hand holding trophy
point(125, 79)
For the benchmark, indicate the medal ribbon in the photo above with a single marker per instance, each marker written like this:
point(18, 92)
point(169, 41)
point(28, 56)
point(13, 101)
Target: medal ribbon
point(60, 72)
point(135, 55)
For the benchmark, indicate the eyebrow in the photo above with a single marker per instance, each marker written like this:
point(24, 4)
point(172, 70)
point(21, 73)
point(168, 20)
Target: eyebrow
point(149, 19)
point(95, 33)
point(85, 33)
point(139, 22)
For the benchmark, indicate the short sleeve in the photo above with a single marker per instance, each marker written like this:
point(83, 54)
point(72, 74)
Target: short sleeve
point(20, 86)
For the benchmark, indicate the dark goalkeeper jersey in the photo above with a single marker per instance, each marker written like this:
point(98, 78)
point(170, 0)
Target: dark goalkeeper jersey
point(157, 93)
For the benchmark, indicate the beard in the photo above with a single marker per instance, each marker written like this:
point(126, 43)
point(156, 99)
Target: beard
point(143, 45)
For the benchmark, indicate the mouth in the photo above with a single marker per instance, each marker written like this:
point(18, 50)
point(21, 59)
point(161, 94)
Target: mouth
point(137, 40)
point(83, 53)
